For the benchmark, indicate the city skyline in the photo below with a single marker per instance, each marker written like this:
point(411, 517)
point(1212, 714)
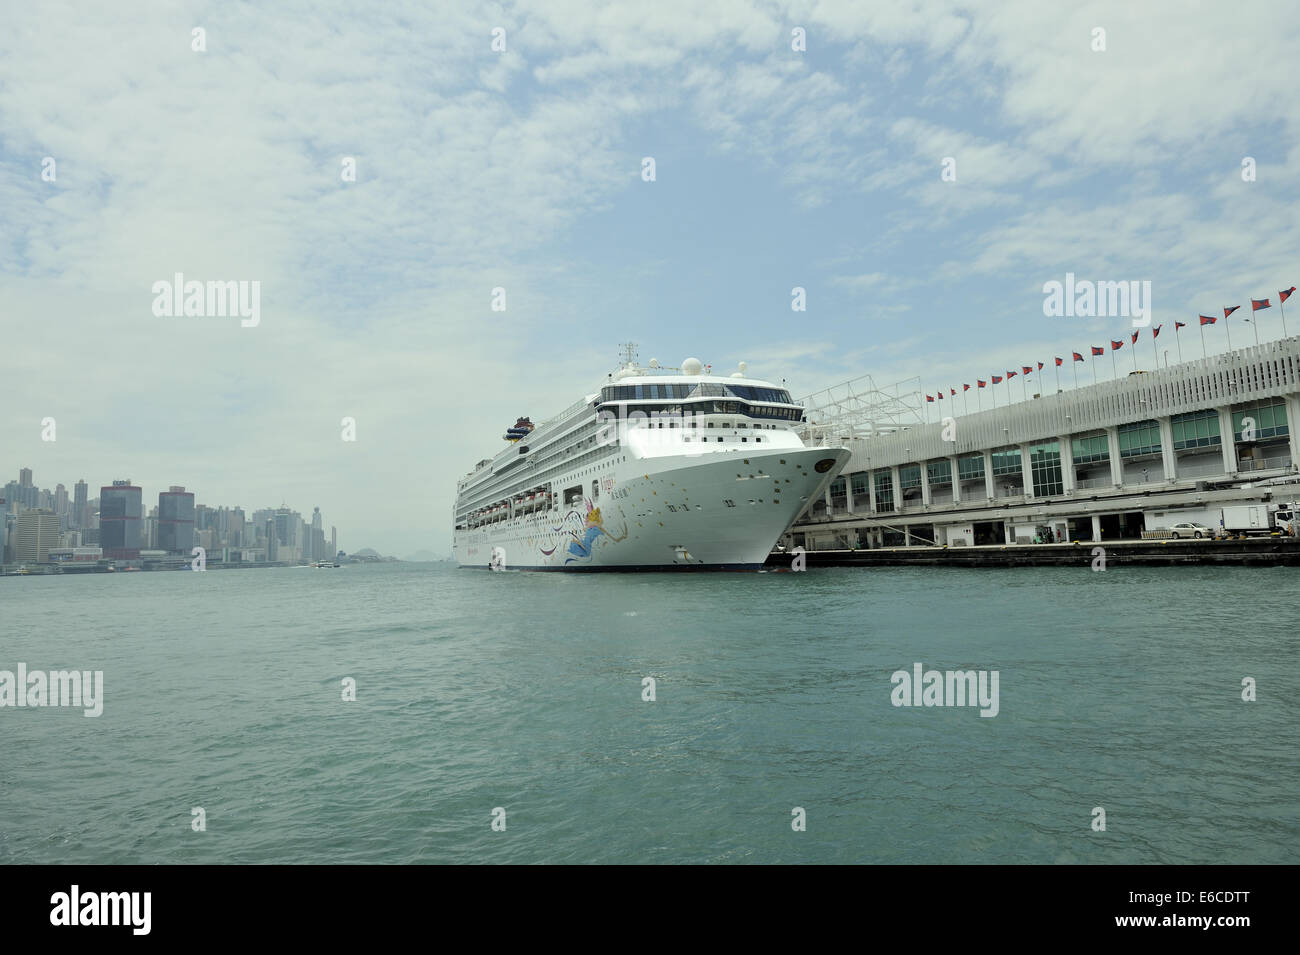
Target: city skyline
point(122, 523)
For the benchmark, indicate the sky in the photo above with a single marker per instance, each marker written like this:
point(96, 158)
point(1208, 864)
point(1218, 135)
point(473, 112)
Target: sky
point(1116, 156)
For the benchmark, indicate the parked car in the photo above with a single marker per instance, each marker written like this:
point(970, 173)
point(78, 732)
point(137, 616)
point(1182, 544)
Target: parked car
point(1191, 529)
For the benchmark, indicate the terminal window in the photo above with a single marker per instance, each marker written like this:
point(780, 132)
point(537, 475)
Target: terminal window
point(1091, 449)
point(1045, 466)
point(1006, 461)
point(884, 491)
point(1270, 419)
point(1200, 429)
point(1140, 438)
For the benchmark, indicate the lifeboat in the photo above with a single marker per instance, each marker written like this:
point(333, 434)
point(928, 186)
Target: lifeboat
point(522, 428)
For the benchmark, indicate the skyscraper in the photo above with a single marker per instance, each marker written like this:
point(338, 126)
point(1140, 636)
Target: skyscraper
point(121, 509)
point(176, 520)
point(35, 532)
point(316, 539)
point(25, 477)
point(79, 516)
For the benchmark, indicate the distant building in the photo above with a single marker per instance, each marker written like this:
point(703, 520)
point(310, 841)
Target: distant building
point(176, 520)
point(121, 511)
point(79, 518)
point(36, 532)
point(288, 534)
point(83, 554)
point(235, 535)
point(25, 477)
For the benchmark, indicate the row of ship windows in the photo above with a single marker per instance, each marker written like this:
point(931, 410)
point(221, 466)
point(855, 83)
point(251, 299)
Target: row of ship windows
point(703, 390)
point(480, 511)
point(721, 424)
point(702, 408)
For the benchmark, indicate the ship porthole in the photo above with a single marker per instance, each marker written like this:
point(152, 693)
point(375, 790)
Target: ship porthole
point(824, 465)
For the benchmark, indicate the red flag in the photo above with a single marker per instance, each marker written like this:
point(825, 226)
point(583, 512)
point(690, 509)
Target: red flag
point(1155, 332)
point(1229, 310)
point(1178, 325)
point(1257, 303)
point(930, 398)
point(952, 391)
point(980, 382)
point(1027, 369)
point(965, 387)
point(1040, 366)
point(1283, 296)
point(1116, 345)
point(1208, 319)
point(997, 379)
point(1077, 356)
point(1010, 375)
point(1059, 362)
point(1098, 351)
point(1135, 338)
point(940, 394)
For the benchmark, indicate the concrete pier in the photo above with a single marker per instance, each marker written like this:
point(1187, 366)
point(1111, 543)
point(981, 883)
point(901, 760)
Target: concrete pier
point(1253, 552)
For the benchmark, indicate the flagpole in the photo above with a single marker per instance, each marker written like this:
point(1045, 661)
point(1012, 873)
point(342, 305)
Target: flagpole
point(1178, 338)
point(1058, 378)
point(1135, 356)
point(1229, 331)
point(979, 405)
point(1024, 388)
point(1113, 367)
point(1283, 309)
point(1155, 351)
point(1075, 365)
point(1094, 368)
point(1255, 325)
point(1201, 325)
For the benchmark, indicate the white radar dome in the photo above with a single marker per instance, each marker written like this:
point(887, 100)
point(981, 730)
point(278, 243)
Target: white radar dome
point(744, 367)
point(654, 362)
point(692, 366)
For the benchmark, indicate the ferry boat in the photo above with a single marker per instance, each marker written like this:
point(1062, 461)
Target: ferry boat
point(659, 469)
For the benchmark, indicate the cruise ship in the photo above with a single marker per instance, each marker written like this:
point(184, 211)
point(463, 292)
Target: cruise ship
point(660, 469)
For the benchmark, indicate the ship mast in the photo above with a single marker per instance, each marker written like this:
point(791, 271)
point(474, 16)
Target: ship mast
point(629, 354)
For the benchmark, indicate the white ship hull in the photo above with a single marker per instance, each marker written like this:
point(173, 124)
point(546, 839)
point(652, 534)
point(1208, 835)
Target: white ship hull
point(721, 511)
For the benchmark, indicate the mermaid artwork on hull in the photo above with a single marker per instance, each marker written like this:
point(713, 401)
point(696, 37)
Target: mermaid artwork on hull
point(581, 546)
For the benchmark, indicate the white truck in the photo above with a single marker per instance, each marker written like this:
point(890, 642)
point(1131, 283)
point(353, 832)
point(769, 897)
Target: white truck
point(1282, 518)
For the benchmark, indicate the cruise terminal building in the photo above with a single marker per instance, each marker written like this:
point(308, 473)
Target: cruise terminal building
point(1101, 462)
